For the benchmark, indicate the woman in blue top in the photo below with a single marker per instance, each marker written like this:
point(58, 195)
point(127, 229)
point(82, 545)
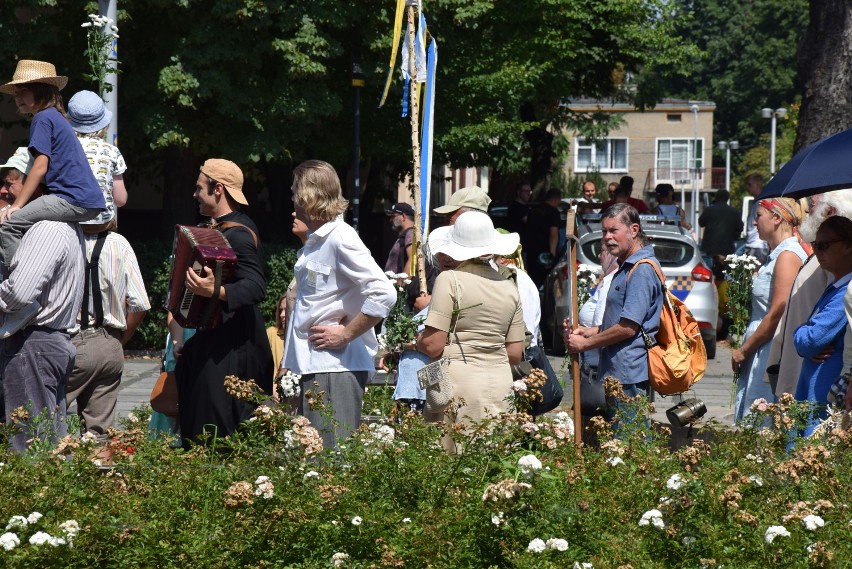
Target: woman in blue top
point(775, 220)
point(59, 161)
point(820, 340)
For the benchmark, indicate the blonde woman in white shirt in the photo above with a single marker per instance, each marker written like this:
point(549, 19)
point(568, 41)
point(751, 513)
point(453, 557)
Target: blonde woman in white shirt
point(342, 294)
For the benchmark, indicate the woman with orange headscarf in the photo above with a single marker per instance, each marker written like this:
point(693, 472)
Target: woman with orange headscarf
point(776, 220)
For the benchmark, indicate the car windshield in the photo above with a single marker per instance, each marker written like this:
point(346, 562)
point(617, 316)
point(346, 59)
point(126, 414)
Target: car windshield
point(670, 252)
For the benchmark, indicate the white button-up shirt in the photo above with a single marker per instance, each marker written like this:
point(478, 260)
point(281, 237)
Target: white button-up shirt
point(336, 278)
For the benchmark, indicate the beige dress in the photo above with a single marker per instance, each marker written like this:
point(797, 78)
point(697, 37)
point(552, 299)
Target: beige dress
point(490, 316)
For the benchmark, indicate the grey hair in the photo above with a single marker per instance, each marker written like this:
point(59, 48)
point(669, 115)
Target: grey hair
point(628, 215)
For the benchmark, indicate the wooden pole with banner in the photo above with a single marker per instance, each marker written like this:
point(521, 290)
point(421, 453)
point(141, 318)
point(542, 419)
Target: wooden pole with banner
point(414, 113)
point(571, 235)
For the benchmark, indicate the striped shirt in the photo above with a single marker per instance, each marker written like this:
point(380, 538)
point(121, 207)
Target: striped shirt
point(48, 268)
point(120, 281)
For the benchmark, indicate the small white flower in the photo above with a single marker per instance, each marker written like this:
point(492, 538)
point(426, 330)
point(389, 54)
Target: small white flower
point(675, 482)
point(519, 386)
point(132, 418)
point(813, 522)
point(40, 538)
point(311, 474)
point(614, 461)
point(338, 559)
point(775, 531)
point(390, 274)
point(356, 521)
point(88, 437)
point(497, 518)
point(529, 464)
point(654, 518)
point(754, 458)
point(9, 541)
point(34, 517)
point(264, 487)
point(537, 546)
point(17, 522)
point(756, 480)
point(70, 528)
point(688, 540)
point(86, 25)
point(406, 520)
point(557, 543)
point(578, 565)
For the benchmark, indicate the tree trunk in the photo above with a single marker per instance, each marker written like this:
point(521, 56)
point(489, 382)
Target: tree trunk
point(180, 171)
point(824, 70)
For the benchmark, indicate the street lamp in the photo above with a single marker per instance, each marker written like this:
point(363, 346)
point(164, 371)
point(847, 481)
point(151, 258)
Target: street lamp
point(774, 115)
point(694, 109)
point(727, 146)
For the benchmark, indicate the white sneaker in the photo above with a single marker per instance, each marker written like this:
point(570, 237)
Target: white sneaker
point(14, 321)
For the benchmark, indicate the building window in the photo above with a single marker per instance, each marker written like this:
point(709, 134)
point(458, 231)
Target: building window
point(675, 160)
point(673, 117)
point(605, 155)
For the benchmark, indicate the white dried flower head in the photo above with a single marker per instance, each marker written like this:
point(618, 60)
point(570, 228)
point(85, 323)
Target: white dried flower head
point(557, 543)
point(16, 522)
point(34, 517)
point(614, 461)
point(654, 518)
point(760, 404)
point(675, 482)
point(9, 541)
point(537, 545)
point(519, 386)
point(357, 520)
point(529, 464)
point(813, 522)
point(339, 559)
point(775, 531)
point(70, 528)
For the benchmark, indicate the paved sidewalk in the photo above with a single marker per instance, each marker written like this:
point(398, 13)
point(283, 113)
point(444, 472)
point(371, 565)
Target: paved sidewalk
point(714, 389)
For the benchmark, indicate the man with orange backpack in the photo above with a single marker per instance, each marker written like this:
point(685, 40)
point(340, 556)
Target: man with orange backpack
point(633, 305)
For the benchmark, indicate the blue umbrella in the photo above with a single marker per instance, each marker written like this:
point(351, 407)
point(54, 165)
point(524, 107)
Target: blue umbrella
point(823, 166)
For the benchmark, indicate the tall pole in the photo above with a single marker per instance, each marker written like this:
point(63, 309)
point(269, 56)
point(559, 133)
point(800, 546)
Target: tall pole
point(694, 109)
point(108, 8)
point(772, 147)
point(414, 105)
point(570, 232)
point(357, 84)
point(727, 146)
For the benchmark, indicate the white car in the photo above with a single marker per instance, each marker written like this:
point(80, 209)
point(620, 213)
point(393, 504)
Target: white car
point(687, 277)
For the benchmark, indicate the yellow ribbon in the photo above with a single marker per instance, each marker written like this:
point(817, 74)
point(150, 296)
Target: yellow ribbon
point(397, 32)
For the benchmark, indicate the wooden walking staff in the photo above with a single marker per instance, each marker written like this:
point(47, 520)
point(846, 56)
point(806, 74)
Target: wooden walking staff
point(570, 233)
point(414, 113)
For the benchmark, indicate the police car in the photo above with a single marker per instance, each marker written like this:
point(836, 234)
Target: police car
point(687, 277)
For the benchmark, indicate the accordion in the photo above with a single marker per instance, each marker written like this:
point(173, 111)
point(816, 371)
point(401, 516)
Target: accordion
point(196, 248)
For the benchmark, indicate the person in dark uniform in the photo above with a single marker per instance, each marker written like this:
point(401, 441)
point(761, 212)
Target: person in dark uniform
point(238, 346)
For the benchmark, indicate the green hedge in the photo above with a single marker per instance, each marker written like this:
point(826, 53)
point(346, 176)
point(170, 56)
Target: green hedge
point(154, 263)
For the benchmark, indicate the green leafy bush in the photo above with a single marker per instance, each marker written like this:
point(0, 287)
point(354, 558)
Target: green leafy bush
point(155, 266)
point(521, 495)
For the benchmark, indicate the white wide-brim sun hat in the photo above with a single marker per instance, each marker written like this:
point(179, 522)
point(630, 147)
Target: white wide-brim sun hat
point(472, 236)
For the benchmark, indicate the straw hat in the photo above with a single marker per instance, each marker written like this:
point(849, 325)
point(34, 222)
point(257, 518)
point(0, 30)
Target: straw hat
point(31, 71)
point(472, 236)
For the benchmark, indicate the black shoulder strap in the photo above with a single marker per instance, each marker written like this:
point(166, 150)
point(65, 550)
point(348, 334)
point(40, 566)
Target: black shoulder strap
point(92, 283)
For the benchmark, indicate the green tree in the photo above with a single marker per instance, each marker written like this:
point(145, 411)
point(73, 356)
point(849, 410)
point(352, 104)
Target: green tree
point(747, 61)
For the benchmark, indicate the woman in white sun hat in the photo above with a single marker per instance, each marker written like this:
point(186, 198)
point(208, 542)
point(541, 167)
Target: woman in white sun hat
point(479, 311)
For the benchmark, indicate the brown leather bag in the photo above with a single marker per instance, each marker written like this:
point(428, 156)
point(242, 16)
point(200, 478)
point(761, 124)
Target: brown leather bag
point(164, 396)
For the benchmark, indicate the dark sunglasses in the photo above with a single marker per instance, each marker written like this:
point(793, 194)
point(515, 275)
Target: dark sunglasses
point(824, 245)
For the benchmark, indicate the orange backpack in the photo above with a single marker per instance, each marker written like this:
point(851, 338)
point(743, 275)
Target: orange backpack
point(677, 358)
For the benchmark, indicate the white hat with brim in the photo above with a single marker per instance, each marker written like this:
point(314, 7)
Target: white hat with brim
point(472, 236)
point(21, 161)
point(31, 71)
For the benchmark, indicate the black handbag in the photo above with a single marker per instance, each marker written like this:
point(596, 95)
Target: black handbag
point(551, 391)
point(592, 396)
